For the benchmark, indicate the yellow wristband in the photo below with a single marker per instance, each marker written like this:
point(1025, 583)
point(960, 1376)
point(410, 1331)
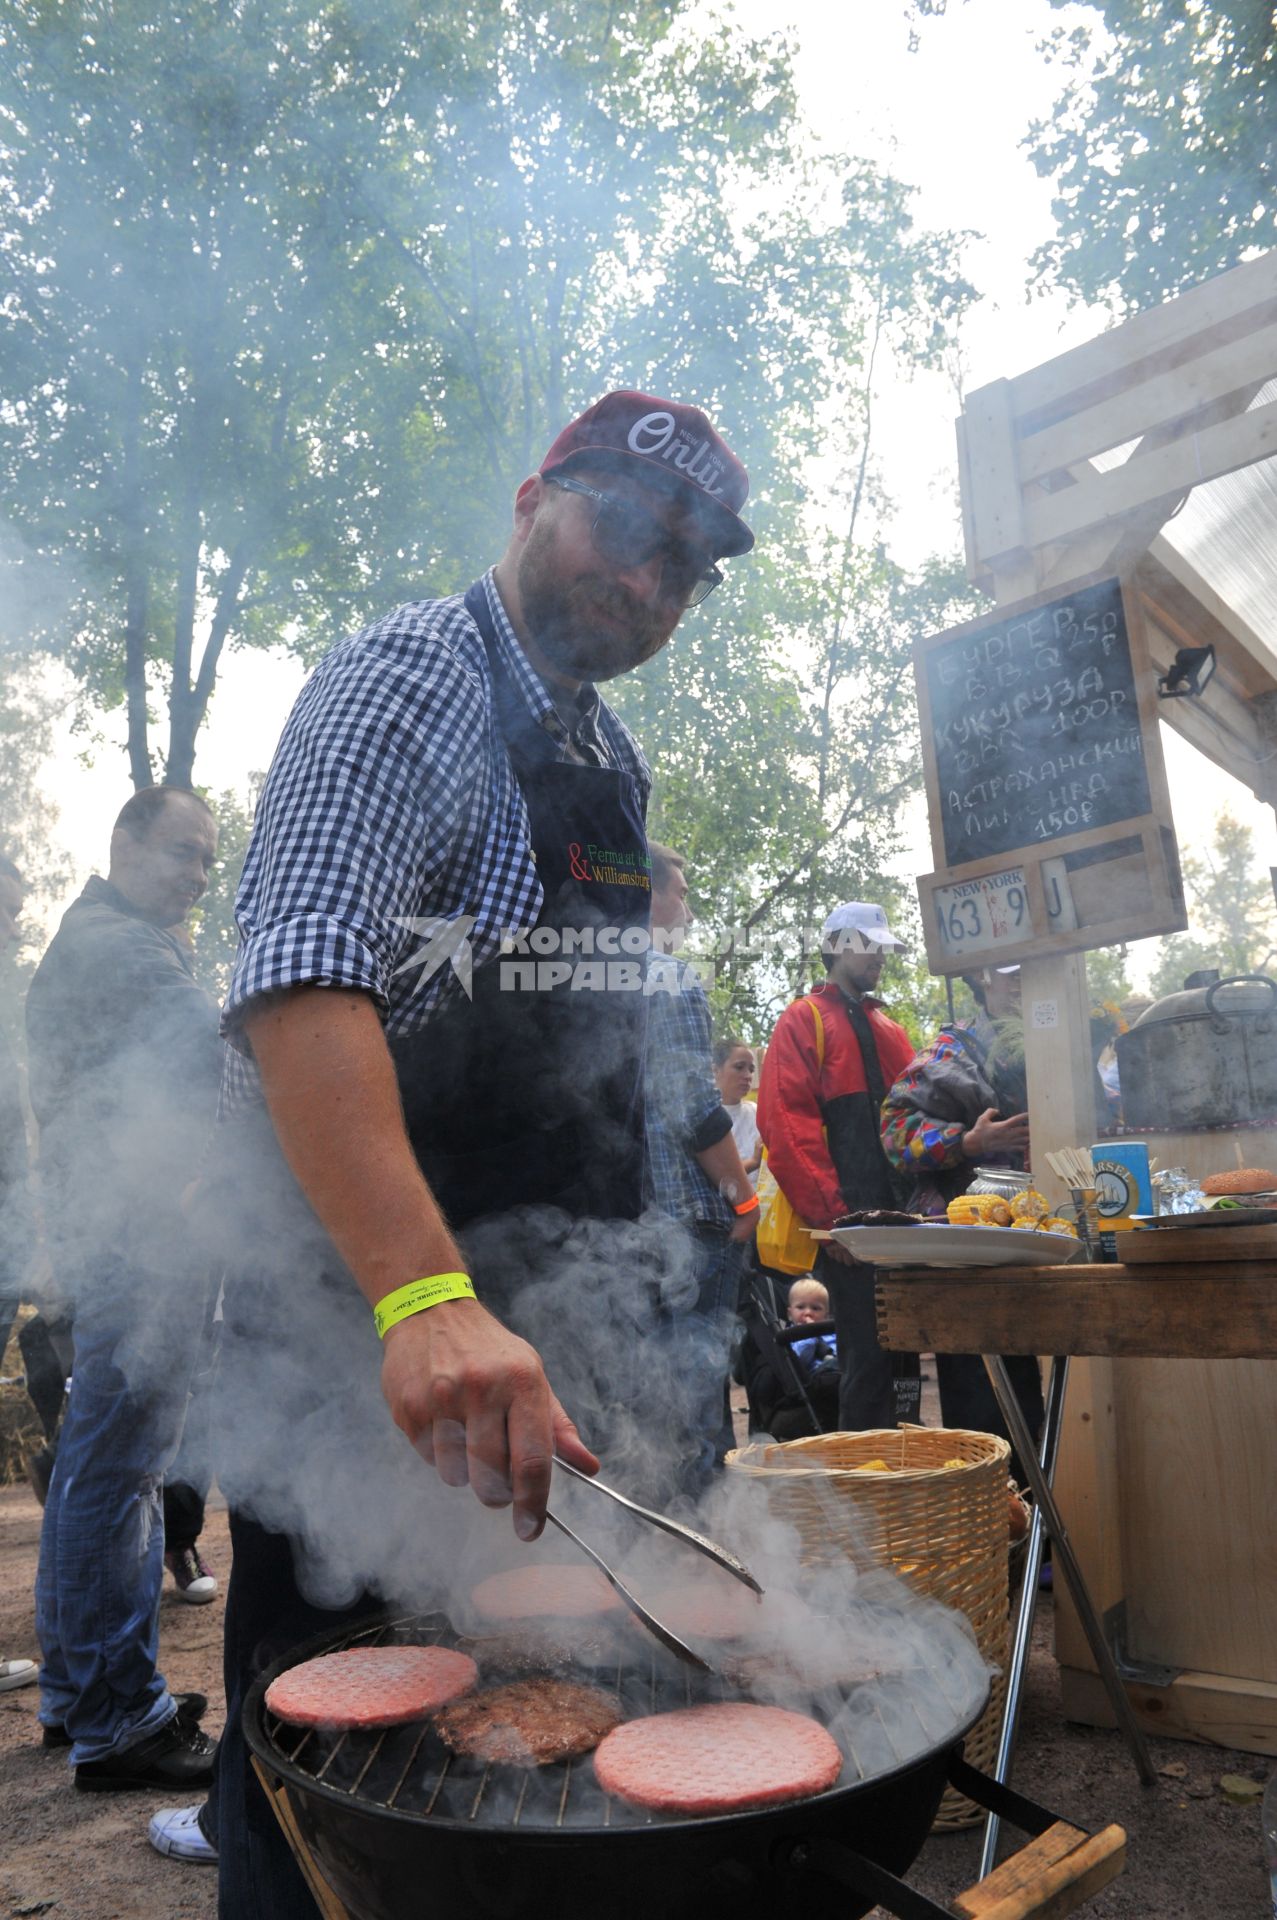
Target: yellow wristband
point(431, 1291)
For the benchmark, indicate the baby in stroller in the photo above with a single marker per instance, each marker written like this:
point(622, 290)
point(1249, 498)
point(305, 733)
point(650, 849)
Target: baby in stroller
point(790, 1374)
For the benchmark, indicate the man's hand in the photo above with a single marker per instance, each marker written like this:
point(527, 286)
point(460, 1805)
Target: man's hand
point(990, 1135)
point(744, 1227)
point(474, 1401)
point(842, 1256)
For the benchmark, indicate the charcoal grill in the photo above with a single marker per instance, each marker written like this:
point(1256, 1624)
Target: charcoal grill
point(400, 1828)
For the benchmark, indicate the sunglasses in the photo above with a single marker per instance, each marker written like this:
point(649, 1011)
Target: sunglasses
point(628, 536)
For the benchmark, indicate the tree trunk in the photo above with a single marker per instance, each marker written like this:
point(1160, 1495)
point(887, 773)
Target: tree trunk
point(135, 591)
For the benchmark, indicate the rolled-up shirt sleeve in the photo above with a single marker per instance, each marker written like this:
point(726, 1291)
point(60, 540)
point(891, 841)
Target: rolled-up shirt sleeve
point(366, 807)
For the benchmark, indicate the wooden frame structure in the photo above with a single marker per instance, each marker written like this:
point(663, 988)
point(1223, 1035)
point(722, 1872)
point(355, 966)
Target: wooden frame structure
point(1068, 890)
point(1074, 468)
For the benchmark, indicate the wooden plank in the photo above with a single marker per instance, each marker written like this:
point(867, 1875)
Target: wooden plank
point(1165, 330)
point(1176, 1420)
point(1173, 470)
point(1213, 1312)
point(1168, 398)
point(1214, 1709)
point(997, 509)
point(1089, 1493)
point(1053, 1875)
point(1188, 1246)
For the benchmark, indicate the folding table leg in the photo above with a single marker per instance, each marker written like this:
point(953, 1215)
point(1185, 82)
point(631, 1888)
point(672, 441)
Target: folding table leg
point(1057, 1382)
point(1064, 1558)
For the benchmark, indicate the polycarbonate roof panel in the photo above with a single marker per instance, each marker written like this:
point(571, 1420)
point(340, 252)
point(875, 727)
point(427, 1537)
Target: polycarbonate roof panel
point(1227, 530)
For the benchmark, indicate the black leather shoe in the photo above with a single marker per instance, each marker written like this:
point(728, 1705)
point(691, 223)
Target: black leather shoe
point(191, 1707)
point(177, 1756)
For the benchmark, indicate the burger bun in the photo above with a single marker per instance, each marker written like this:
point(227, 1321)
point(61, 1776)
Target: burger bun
point(1241, 1180)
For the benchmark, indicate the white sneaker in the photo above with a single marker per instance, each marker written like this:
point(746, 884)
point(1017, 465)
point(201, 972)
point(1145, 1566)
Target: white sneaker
point(17, 1673)
point(176, 1831)
point(194, 1581)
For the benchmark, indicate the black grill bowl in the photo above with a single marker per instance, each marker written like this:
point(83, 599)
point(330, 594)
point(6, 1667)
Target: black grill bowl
point(388, 1864)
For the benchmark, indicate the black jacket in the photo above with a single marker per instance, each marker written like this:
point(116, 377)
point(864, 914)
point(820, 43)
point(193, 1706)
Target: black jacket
point(123, 1062)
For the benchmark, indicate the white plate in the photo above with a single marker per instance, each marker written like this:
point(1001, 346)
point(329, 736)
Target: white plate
point(943, 1245)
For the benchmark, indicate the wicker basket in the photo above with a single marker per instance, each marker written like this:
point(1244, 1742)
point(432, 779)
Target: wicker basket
point(941, 1527)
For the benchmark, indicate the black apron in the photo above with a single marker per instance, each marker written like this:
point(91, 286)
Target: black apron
point(531, 1092)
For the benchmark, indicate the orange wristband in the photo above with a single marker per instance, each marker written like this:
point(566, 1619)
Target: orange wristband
point(747, 1206)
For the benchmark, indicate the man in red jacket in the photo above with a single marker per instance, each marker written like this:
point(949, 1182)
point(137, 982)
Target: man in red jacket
point(819, 1117)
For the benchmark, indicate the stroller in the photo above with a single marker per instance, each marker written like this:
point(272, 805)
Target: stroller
point(787, 1397)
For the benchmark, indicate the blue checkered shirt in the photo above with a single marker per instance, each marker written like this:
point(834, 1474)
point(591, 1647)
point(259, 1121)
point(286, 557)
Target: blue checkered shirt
point(391, 823)
point(682, 1093)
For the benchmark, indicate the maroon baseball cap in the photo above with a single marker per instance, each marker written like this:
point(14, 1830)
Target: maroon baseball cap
point(667, 439)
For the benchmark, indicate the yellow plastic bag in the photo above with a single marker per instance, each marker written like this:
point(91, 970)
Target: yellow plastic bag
point(782, 1242)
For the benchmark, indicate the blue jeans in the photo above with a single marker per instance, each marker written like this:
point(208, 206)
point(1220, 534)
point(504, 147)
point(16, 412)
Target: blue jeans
point(697, 1347)
point(102, 1543)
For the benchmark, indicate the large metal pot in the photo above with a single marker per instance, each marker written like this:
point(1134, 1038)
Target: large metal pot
point(1206, 1057)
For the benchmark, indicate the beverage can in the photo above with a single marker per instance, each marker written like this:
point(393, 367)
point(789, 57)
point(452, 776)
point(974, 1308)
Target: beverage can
point(1123, 1183)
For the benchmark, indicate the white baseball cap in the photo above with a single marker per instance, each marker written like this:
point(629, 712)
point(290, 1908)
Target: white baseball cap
point(857, 926)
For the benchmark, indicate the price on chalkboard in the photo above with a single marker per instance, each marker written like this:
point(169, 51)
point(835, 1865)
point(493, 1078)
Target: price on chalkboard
point(1034, 726)
point(978, 916)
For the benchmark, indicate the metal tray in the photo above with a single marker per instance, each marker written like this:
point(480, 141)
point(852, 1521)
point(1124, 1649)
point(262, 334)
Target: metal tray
point(1209, 1217)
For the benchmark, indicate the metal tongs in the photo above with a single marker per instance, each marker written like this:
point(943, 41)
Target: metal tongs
point(710, 1548)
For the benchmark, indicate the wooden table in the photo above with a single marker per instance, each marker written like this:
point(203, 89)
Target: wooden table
point(1209, 1310)
point(1206, 1311)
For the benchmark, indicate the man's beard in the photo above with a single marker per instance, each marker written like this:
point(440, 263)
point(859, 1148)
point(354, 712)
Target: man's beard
point(563, 616)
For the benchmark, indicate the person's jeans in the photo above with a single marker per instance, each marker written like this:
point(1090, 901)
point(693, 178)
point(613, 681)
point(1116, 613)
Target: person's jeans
point(101, 1549)
point(698, 1346)
point(266, 1615)
point(866, 1388)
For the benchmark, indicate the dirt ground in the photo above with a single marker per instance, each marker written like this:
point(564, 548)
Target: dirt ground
point(1192, 1855)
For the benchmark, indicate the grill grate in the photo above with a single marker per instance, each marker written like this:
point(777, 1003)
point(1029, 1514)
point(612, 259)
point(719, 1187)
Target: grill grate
point(409, 1769)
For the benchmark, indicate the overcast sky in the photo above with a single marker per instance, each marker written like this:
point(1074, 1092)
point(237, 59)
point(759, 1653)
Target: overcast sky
point(949, 119)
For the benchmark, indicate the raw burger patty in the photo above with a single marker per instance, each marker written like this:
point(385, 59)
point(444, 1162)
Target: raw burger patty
point(529, 1723)
point(717, 1759)
point(371, 1686)
point(543, 1592)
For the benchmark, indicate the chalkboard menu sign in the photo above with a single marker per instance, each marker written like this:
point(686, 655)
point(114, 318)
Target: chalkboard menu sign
point(1034, 726)
point(1050, 815)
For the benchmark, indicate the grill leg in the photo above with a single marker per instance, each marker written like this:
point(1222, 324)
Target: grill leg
point(276, 1792)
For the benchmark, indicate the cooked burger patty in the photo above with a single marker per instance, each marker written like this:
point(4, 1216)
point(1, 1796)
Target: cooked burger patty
point(879, 1217)
point(529, 1723)
point(717, 1759)
point(370, 1686)
point(544, 1592)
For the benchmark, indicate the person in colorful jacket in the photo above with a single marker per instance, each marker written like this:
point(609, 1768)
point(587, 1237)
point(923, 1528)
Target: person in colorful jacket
point(819, 1119)
point(959, 1105)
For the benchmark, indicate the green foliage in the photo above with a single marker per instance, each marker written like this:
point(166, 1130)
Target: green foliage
point(1107, 978)
point(1233, 926)
point(1161, 146)
point(214, 935)
point(28, 824)
point(297, 295)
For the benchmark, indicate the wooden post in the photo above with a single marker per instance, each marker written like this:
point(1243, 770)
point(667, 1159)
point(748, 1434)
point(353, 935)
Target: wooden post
point(1061, 1078)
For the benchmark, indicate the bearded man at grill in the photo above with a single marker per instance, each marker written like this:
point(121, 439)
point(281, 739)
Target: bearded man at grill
point(449, 781)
